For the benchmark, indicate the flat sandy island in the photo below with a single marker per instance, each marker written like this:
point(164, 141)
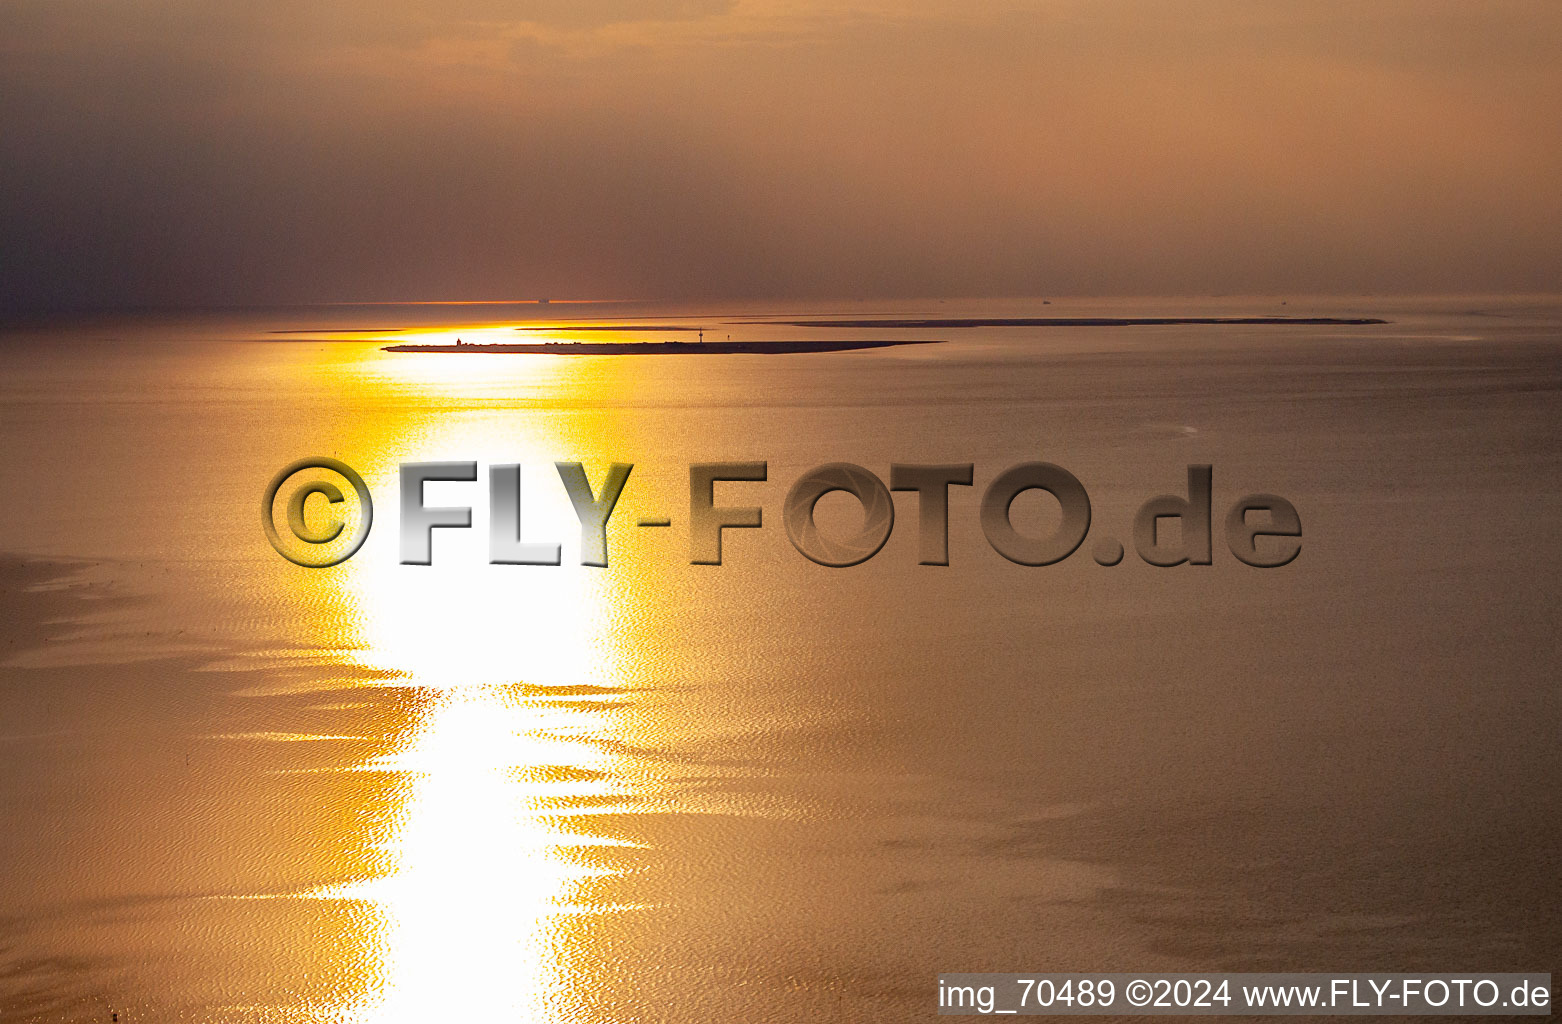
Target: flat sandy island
point(1089, 321)
point(656, 348)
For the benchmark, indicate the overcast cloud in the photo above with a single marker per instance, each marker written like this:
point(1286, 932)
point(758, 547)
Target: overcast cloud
point(212, 152)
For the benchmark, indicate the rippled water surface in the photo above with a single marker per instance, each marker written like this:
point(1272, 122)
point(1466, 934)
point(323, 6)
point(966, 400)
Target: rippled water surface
point(240, 790)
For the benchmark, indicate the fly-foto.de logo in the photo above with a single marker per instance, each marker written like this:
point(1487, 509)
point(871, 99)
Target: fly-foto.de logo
point(1260, 530)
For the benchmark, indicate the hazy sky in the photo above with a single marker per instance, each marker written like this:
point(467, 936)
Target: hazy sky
point(215, 151)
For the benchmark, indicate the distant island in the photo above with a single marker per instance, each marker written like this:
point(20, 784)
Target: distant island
point(566, 325)
point(655, 348)
point(1090, 321)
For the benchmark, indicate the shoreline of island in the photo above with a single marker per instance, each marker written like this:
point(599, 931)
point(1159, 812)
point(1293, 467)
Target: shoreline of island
point(1080, 321)
point(651, 348)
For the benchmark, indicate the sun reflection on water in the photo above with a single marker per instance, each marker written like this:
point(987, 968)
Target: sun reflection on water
point(482, 887)
point(482, 877)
